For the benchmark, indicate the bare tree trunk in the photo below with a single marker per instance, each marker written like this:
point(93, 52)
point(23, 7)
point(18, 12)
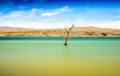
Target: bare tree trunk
point(68, 31)
point(66, 41)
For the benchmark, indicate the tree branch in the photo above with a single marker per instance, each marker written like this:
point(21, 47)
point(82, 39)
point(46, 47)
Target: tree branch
point(71, 28)
point(65, 29)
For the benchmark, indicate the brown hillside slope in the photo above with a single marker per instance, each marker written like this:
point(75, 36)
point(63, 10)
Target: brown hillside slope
point(76, 31)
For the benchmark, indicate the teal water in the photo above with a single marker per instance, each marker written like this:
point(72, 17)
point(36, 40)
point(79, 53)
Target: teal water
point(56, 38)
point(89, 57)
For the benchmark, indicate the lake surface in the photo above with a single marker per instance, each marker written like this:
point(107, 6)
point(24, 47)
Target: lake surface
point(47, 56)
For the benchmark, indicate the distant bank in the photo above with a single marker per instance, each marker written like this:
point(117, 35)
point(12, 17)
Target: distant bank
point(76, 31)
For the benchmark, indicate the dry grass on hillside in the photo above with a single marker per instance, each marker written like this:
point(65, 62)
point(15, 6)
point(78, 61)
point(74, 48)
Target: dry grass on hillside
point(76, 31)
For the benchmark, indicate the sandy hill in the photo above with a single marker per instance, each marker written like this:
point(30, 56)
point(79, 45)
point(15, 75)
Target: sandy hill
point(76, 31)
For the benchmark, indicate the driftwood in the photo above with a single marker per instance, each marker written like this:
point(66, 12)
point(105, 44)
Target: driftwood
point(67, 31)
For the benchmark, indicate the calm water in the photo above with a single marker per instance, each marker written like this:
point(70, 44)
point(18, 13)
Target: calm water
point(86, 56)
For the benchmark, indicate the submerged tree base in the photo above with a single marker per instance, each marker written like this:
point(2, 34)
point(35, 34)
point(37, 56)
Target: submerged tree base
point(66, 44)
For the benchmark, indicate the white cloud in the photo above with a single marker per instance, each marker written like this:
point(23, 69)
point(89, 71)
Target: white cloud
point(109, 24)
point(34, 10)
point(36, 18)
point(33, 24)
point(13, 14)
point(43, 24)
point(64, 9)
point(117, 17)
point(56, 11)
point(49, 14)
point(17, 14)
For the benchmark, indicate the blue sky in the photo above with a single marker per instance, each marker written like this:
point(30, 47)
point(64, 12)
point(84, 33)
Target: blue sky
point(59, 13)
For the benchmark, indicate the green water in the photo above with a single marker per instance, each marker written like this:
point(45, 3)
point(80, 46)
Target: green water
point(51, 58)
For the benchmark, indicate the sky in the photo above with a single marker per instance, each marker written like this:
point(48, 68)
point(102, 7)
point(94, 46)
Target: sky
point(42, 14)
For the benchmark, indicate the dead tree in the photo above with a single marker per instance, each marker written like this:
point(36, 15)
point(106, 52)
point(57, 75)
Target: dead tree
point(67, 31)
